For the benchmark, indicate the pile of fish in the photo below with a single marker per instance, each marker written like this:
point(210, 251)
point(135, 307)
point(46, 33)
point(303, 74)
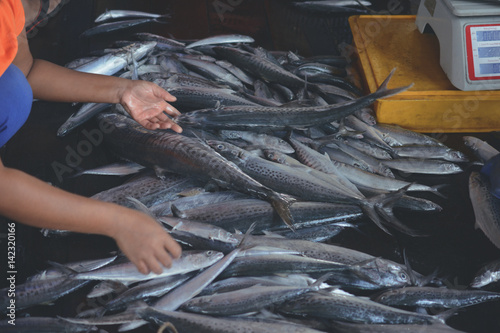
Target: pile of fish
point(279, 154)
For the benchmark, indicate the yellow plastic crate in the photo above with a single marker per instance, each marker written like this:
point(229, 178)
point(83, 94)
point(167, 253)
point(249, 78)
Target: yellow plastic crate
point(433, 104)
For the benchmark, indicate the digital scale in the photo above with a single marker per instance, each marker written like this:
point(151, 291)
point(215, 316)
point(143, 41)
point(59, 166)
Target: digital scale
point(469, 40)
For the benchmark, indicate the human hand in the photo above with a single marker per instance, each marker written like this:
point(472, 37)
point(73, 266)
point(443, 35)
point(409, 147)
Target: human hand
point(145, 242)
point(147, 103)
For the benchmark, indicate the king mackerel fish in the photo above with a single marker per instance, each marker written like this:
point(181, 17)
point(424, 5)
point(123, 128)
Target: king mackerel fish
point(280, 118)
point(186, 156)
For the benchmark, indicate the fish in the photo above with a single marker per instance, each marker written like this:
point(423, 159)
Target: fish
point(152, 288)
point(190, 322)
point(221, 39)
point(112, 63)
point(344, 327)
point(237, 283)
point(432, 297)
point(116, 26)
point(259, 139)
point(486, 207)
point(430, 152)
point(260, 66)
point(114, 14)
point(240, 214)
point(187, 156)
point(489, 273)
point(397, 135)
point(279, 118)
point(188, 262)
point(43, 325)
point(480, 148)
point(423, 166)
point(148, 189)
point(162, 42)
point(183, 293)
point(246, 300)
point(353, 309)
point(290, 180)
point(113, 169)
point(212, 71)
point(85, 113)
point(195, 98)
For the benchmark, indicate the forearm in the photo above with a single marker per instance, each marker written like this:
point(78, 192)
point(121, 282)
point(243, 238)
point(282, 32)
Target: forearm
point(28, 200)
point(59, 84)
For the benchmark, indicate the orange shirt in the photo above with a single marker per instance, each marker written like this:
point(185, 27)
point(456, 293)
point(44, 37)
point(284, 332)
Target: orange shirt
point(11, 25)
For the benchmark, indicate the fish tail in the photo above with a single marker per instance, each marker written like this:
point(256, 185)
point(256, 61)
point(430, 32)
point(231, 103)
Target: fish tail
point(379, 210)
point(281, 203)
point(383, 91)
point(436, 188)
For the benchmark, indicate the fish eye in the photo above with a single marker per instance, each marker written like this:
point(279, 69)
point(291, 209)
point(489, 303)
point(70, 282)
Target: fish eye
point(220, 146)
point(209, 252)
point(403, 276)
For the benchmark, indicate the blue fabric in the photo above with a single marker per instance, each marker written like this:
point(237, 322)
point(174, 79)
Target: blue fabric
point(16, 98)
point(491, 169)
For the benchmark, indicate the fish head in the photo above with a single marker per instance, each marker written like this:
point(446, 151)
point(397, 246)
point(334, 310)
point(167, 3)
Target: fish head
point(452, 168)
point(275, 156)
point(229, 151)
point(384, 273)
point(457, 156)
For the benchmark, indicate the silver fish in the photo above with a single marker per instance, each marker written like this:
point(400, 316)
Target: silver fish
point(353, 309)
point(481, 149)
point(432, 297)
point(221, 39)
point(423, 166)
point(259, 139)
point(187, 156)
point(43, 325)
point(86, 112)
point(112, 63)
point(188, 262)
point(245, 117)
point(190, 322)
point(489, 273)
point(120, 14)
point(486, 207)
point(245, 300)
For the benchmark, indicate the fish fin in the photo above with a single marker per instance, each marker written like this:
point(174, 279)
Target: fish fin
point(379, 210)
point(140, 206)
point(413, 277)
point(384, 207)
point(435, 189)
point(445, 315)
point(63, 268)
point(281, 203)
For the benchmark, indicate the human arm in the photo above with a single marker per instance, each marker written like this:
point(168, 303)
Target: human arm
point(28, 200)
point(145, 101)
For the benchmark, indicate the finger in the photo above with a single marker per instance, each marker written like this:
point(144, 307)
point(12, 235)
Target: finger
point(166, 95)
point(146, 123)
point(164, 258)
point(142, 267)
point(171, 110)
point(173, 248)
point(171, 125)
point(154, 265)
